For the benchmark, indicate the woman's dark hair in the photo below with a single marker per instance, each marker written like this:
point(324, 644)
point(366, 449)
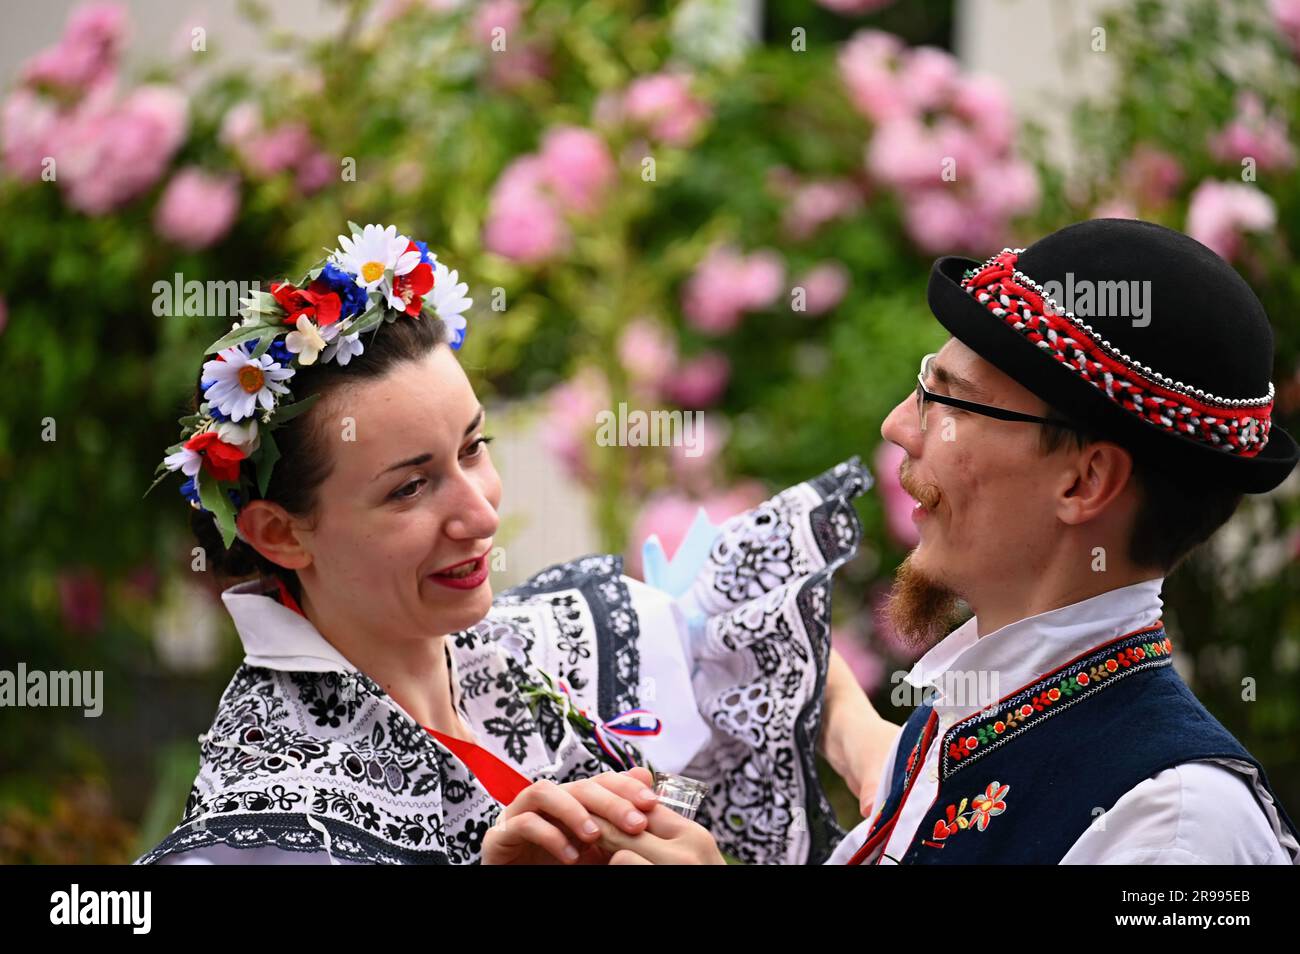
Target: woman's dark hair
point(304, 462)
point(1173, 516)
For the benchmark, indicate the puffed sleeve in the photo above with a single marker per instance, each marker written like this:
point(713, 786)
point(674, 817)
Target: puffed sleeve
point(752, 610)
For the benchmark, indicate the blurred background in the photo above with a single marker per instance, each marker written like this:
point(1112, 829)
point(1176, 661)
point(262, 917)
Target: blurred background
point(718, 205)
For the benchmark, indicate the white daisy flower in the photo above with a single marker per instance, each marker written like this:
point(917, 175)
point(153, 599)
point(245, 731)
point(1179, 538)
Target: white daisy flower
point(343, 349)
point(307, 342)
point(374, 252)
point(244, 436)
point(184, 460)
point(239, 382)
point(448, 299)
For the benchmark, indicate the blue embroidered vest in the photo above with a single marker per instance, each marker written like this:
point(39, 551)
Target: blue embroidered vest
point(1021, 781)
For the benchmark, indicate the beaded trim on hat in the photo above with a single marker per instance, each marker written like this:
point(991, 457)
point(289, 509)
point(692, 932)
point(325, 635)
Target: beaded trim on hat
point(1234, 425)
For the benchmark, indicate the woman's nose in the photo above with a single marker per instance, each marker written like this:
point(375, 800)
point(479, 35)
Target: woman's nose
point(475, 514)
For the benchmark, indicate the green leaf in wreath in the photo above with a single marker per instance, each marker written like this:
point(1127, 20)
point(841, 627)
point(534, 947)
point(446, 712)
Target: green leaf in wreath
point(240, 335)
point(268, 454)
point(288, 412)
point(212, 496)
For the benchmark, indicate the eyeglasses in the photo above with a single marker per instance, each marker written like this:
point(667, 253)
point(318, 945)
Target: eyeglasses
point(987, 410)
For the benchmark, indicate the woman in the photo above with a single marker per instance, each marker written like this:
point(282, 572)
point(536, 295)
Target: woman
point(390, 710)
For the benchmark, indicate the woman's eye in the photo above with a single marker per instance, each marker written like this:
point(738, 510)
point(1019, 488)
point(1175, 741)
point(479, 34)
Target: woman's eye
point(475, 447)
point(412, 487)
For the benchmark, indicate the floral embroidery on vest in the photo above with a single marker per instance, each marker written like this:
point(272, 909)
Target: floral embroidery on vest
point(984, 806)
point(1055, 692)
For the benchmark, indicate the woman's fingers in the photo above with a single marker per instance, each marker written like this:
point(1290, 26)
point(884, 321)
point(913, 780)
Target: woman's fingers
point(551, 800)
point(601, 797)
point(634, 786)
point(531, 828)
point(650, 847)
point(626, 857)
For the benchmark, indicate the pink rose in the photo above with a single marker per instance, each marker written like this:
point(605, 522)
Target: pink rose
point(727, 284)
point(30, 127)
point(523, 222)
point(699, 382)
point(112, 152)
point(492, 15)
point(648, 351)
point(1286, 14)
point(1154, 175)
point(816, 203)
point(1254, 134)
point(866, 65)
point(197, 208)
point(315, 172)
point(577, 166)
point(662, 104)
point(1221, 212)
point(86, 55)
point(824, 286)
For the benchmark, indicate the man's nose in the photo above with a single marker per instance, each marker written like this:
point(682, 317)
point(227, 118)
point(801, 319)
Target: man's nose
point(903, 427)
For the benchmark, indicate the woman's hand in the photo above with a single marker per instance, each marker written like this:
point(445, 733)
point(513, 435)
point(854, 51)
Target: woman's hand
point(557, 824)
point(669, 839)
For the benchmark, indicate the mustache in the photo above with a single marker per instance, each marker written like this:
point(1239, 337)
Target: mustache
point(928, 494)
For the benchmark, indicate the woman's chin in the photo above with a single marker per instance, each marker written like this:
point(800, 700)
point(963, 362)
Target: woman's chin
point(461, 609)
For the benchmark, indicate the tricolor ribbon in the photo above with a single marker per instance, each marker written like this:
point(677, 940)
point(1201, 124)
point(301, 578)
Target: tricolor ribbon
point(625, 724)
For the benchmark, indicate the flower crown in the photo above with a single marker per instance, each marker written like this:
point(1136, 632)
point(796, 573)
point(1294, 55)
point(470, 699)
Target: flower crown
point(374, 277)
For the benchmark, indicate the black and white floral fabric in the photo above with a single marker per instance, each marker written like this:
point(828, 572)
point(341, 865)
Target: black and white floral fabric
point(309, 759)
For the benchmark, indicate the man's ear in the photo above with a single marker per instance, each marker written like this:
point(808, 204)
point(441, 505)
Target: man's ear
point(271, 531)
point(1101, 473)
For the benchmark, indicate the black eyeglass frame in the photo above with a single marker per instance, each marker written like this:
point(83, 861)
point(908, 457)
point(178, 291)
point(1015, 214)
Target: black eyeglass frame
point(923, 394)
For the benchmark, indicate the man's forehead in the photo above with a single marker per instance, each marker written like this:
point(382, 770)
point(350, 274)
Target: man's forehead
point(979, 379)
point(961, 369)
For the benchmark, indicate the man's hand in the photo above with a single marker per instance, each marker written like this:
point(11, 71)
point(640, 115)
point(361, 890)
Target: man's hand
point(855, 739)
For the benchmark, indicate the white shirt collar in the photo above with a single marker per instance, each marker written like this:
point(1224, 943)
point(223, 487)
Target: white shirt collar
point(275, 637)
point(1016, 654)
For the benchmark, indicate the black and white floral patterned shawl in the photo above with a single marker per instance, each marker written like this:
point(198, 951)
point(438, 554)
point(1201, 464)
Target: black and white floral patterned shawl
point(327, 761)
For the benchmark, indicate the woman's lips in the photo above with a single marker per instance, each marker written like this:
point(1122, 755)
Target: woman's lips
point(463, 576)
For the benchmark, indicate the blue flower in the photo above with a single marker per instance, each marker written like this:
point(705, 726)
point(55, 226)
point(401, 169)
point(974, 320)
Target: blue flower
point(352, 297)
point(278, 351)
point(191, 491)
point(217, 413)
point(425, 257)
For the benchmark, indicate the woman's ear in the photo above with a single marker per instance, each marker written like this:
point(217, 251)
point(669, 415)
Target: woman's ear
point(270, 530)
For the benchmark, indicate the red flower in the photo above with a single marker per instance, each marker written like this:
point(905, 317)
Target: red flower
point(220, 459)
point(414, 285)
point(316, 302)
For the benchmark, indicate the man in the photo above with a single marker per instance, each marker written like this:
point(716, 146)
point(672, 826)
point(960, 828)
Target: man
point(1057, 729)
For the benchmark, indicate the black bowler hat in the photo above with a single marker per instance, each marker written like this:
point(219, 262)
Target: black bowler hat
point(1186, 386)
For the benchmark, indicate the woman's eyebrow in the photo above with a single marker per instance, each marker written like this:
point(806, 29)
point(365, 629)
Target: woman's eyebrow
point(409, 462)
point(953, 380)
point(473, 425)
point(426, 457)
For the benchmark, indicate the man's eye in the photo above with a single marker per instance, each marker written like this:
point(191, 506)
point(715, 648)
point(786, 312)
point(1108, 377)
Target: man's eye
point(411, 486)
point(475, 448)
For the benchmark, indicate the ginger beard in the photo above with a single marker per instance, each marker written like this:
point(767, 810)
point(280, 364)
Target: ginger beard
point(920, 609)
